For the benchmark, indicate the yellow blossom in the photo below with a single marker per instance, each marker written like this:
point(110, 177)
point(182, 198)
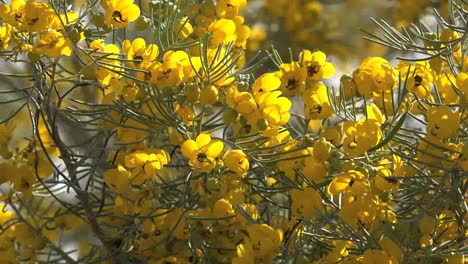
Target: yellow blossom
point(53, 43)
point(315, 66)
point(237, 161)
point(120, 12)
point(202, 153)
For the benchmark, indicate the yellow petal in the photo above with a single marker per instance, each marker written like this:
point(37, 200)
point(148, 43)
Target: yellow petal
point(328, 70)
point(215, 149)
point(339, 184)
point(132, 12)
point(203, 140)
point(374, 113)
point(126, 45)
point(189, 147)
point(136, 159)
point(138, 45)
point(318, 57)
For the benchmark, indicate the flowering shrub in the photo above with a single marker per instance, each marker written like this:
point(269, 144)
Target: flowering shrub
point(156, 132)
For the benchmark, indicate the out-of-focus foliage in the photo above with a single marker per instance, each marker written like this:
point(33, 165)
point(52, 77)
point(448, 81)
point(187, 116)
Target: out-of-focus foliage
point(233, 131)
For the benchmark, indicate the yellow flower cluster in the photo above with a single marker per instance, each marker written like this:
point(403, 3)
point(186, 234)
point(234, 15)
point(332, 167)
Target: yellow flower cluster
point(140, 125)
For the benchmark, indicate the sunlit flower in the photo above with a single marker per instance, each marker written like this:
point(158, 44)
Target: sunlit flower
point(202, 153)
point(120, 12)
point(315, 66)
point(53, 43)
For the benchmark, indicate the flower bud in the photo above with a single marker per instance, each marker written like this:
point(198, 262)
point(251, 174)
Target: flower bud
point(230, 116)
point(322, 149)
point(98, 20)
point(142, 23)
point(74, 35)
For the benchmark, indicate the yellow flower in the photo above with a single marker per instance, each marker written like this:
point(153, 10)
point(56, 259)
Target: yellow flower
point(183, 29)
point(229, 8)
point(382, 182)
point(29, 16)
point(5, 215)
point(222, 31)
point(6, 135)
point(392, 249)
point(145, 164)
point(420, 78)
point(223, 209)
point(202, 153)
point(315, 65)
point(38, 16)
point(332, 135)
point(444, 85)
point(25, 234)
point(54, 44)
point(13, 13)
point(442, 122)
point(126, 89)
point(245, 254)
point(118, 179)
point(317, 104)
point(265, 242)
point(274, 107)
point(209, 95)
point(448, 35)
point(322, 149)
point(40, 164)
point(305, 203)
point(385, 103)
point(139, 52)
point(242, 34)
point(185, 113)
point(375, 74)
point(70, 18)
point(219, 59)
point(361, 136)
point(192, 93)
point(23, 179)
point(315, 171)
point(292, 78)
point(374, 113)
point(190, 65)
point(120, 12)
point(343, 181)
point(266, 83)
point(5, 35)
point(176, 68)
point(109, 74)
point(290, 165)
point(243, 102)
point(237, 161)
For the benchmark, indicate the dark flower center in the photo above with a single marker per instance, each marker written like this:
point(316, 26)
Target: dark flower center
point(117, 16)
